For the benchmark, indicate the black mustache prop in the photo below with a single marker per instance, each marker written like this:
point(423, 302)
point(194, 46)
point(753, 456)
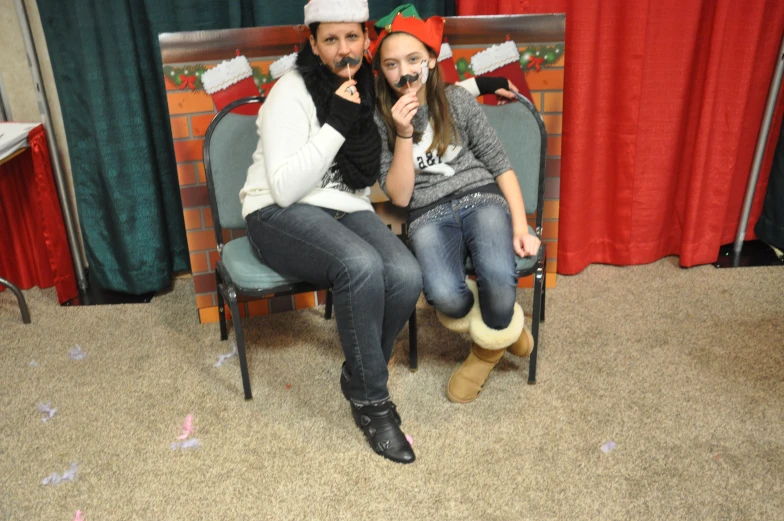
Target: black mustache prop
point(407, 78)
point(348, 60)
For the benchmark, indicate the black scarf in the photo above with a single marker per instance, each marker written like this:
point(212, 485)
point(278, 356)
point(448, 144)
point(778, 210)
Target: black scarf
point(359, 159)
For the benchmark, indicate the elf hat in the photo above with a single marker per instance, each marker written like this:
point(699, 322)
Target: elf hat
point(328, 11)
point(429, 32)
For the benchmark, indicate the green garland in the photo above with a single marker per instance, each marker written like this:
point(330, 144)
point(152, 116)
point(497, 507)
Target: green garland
point(189, 77)
point(535, 58)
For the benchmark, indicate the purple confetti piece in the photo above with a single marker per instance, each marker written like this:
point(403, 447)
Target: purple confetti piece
point(54, 478)
point(76, 353)
point(48, 410)
point(192, 443)
point(223, 358)
point(607, 447)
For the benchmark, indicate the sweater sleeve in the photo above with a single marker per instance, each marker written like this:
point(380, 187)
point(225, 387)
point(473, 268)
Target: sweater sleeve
point(294, 161)
point(386, 154)
point(482, 138)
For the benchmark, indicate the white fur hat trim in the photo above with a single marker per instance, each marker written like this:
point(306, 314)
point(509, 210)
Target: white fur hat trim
point(226, 74)
point(494, 57)
point(327, 11)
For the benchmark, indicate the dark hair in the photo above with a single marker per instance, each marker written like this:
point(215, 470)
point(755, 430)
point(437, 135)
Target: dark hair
point(315, 25)
point(444, 129)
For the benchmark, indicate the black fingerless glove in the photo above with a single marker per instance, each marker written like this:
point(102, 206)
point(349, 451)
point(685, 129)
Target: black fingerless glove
point(490, 84)
point(342, 114)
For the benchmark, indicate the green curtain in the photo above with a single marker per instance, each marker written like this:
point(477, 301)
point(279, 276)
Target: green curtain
point(107, 68)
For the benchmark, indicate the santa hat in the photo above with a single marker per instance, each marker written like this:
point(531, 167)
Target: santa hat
point(336, 11)
point(447, 64)
point(278, 68)
point(429, 32)
point(229, 81)
point(501, 60)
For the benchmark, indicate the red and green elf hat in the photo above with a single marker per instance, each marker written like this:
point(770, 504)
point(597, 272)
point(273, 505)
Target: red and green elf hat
point(405, 19)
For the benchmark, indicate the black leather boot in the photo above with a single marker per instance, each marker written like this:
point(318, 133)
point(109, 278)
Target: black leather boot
point(345, 383)
point(382, 432)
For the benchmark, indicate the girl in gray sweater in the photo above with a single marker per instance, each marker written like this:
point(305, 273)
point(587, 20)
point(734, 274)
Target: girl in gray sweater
point(443, 161)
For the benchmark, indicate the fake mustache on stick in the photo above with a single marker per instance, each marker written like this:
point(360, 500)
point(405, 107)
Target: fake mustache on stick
point(406, 79)
point(348, 60)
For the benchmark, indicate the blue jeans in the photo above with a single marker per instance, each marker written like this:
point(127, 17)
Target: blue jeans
point(479, 225)
point(376, 281)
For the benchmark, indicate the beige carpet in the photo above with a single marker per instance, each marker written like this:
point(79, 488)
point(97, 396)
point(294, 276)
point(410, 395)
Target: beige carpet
point(682, 369)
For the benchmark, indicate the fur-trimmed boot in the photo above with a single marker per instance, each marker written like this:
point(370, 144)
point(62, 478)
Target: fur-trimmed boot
point(488, 348)
point(467, 382)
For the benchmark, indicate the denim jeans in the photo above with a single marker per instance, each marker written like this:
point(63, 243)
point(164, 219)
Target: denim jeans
point(479, 225)
point(376, 280)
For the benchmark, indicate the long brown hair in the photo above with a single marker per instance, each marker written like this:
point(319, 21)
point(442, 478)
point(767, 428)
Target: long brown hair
point(444, 129)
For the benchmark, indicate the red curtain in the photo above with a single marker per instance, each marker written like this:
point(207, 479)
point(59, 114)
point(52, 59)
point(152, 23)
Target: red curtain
point(33, 243)
point(663, 102)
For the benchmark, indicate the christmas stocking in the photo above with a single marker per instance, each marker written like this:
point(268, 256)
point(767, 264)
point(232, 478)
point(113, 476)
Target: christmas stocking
point(501, 60)
point(229, 81)
point(278, 68)
point(447, 64)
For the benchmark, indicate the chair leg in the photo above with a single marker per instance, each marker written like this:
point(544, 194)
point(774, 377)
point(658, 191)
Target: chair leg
point(224, 334)
point(536, 318)
point(328, 307)
point(19, 299)
point(544, 285)
point(412, 342)
point(237, 320)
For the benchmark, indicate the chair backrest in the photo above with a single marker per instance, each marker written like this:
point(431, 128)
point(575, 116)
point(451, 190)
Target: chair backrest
point(521, 130)
point(229, 144)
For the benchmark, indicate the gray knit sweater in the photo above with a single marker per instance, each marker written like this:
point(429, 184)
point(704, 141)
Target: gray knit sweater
point(475, 161)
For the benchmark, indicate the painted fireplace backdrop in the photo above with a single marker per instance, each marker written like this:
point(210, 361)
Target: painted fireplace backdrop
point(187, 56)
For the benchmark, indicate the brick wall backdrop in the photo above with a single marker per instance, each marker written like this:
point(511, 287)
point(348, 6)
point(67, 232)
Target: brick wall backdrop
point(192, 110)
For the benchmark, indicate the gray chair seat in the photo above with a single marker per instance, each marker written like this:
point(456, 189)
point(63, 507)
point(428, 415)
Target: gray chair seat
point(247, 271)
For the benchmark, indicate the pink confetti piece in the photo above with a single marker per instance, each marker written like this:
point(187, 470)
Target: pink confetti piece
point(78, 516)
point(410, 440)
point(48, 410)
point(287, 386)
point(609, 446)
point(187, 428)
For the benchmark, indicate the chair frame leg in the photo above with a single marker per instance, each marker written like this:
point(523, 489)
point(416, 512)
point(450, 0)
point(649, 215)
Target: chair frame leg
point(328, 306)
point(19, 299)
point(236, 319)
point(537, 315)
point(412, 342)
point(224, 334)
point(544, 290)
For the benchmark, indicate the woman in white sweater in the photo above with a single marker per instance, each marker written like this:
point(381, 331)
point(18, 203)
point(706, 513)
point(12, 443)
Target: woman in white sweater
point(308, 213)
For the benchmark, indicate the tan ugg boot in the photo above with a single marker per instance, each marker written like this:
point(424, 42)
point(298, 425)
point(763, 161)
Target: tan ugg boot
point(490, 338)
point(524, 345)
point(466, 383)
